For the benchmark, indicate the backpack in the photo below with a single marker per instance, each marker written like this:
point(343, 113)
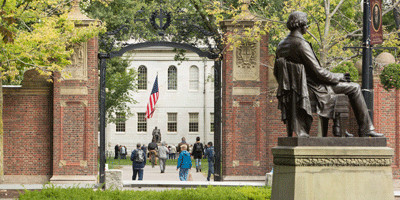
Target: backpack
point(212, 153)
point(198, 148)
point(139, 156)
point(152, 146)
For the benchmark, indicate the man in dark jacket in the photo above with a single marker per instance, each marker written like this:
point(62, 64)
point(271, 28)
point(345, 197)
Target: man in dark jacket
point(138, 158)
point(153, 148)
point(321, 82)
point(210, 156)
point(183, 142)
point(116, 150)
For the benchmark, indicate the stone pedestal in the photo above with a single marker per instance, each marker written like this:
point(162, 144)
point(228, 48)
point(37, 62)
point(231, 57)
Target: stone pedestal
point(114, 179)
point(332, 168)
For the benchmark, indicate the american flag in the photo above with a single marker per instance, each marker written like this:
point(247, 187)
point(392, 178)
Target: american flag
point(153, 100)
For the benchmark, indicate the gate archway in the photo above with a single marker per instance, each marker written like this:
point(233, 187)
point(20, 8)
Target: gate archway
point(186, 37)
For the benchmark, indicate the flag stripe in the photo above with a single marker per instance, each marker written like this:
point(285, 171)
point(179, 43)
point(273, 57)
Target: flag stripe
point(152, 100)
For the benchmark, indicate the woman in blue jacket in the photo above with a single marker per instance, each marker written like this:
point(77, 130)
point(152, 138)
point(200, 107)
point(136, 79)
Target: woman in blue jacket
point(184, 163)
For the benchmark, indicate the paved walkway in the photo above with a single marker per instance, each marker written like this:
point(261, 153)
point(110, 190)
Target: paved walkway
point(170, 179)
point(154, 174)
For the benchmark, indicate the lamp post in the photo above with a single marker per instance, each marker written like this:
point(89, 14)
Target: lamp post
point(367, 68)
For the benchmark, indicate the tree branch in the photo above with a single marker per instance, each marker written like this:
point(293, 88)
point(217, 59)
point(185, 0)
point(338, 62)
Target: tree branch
point(318, 26)
point(344, 59)
point(337, 8)
point(351, 34)
point(207, 22)
point(315, 38)
point(391, 8)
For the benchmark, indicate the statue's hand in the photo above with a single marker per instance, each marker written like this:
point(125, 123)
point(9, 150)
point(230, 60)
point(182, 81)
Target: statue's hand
point(346, 77)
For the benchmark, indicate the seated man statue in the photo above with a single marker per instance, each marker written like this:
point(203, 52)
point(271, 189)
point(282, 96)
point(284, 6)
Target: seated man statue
point(320, 83)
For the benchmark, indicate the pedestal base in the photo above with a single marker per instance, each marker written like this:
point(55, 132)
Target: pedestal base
point(332, 172)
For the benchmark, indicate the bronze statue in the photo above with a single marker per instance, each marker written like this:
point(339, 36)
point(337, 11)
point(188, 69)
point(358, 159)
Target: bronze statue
point(302, 79)
point(157, 135)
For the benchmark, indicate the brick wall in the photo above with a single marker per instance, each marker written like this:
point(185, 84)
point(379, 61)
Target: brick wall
point(28, 129)
point(244, 125)
point(76, 120)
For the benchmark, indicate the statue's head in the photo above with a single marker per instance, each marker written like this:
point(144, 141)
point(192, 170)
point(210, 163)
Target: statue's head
point(297, 20)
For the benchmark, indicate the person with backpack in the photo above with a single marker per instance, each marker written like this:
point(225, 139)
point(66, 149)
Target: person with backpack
point(197, 153)
point(184, 163)
point(138, 158)
point(153, 148)
point(210, 154)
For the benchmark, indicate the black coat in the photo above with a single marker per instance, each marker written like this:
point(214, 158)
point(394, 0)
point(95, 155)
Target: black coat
point(197, 154)
point(296, 49)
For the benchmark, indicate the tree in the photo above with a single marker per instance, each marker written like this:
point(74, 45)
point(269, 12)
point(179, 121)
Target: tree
point(36, 35)
point(333, 24)
point(120, 82)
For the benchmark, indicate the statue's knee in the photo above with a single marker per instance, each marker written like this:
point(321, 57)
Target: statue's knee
point(355, 87)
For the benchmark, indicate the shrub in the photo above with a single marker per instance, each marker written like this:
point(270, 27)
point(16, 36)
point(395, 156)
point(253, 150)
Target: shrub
point(390, 77)
point(347, 67)
point(201, 193)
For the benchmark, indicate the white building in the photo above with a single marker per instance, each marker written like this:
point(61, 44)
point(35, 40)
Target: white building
point(185, 107)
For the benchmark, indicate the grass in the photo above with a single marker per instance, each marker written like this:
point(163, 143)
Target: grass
point(203, 193)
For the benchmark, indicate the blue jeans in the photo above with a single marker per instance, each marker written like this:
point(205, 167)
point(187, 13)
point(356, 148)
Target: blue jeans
point(139, 172)
point(183, 174)
point(198, 163)
point(210, 170)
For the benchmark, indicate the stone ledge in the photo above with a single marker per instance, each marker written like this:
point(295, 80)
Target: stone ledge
point(69, 179)
point(333, 141)
point(244, 178)
point(190, 184)
point(26, 179)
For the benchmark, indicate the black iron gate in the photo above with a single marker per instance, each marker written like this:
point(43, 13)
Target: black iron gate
point(159, 23)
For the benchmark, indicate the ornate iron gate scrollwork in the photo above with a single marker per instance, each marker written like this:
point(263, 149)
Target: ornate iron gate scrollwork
point(188, 36)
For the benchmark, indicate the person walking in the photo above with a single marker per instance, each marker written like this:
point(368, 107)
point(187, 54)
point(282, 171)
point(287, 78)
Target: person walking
point(116, 151)
point(204, 152)
point(197, 153)
point(183, 142)
point(210, 158)
point(153, 148)
point(172, 152)
point(163, 153)
point(138, 158)
point(184, 163)
point(123, 152)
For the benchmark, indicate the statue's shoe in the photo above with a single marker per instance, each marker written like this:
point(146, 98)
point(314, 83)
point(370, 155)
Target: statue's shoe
point(303, 135)
point(372, 134)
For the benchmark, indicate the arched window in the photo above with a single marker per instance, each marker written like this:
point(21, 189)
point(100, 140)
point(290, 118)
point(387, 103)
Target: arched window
point(142, 78)
point(193, 78)
point(172, 78)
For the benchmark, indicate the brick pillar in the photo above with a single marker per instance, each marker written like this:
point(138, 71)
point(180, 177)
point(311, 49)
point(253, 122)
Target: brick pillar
point(244, 103)
point(76, 114)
